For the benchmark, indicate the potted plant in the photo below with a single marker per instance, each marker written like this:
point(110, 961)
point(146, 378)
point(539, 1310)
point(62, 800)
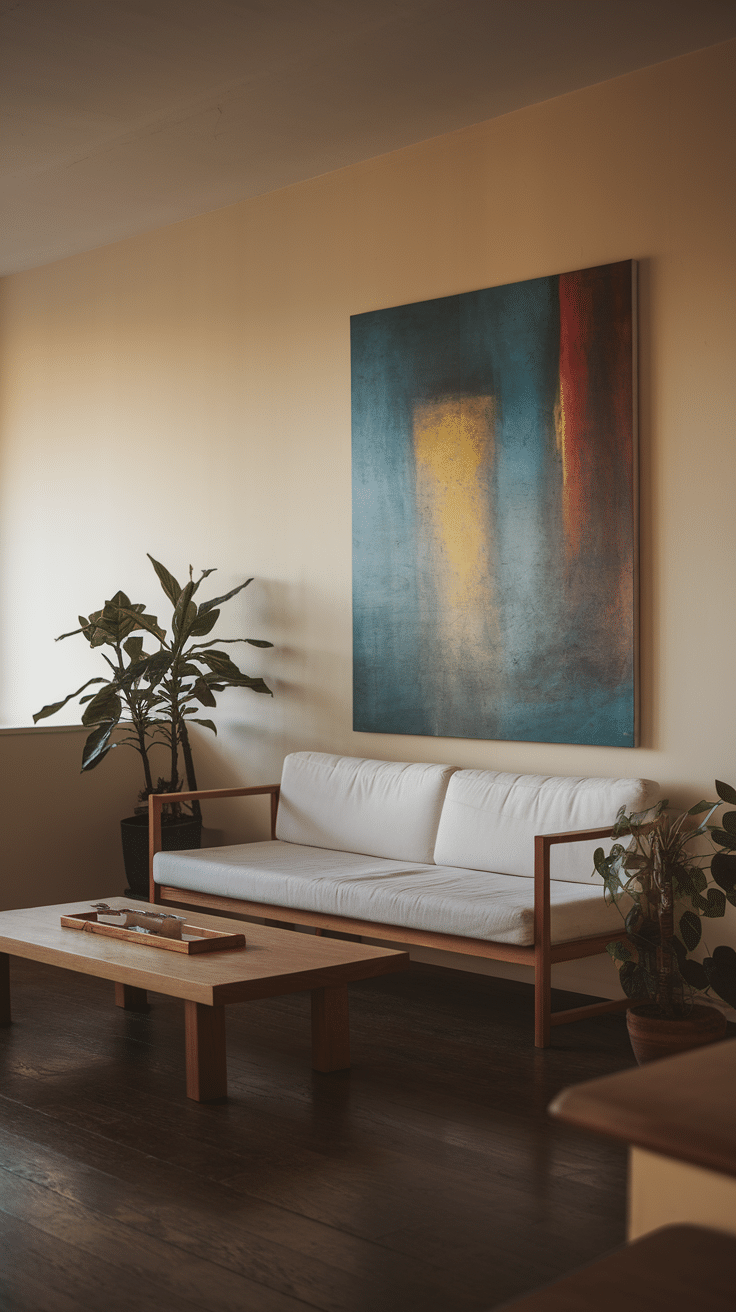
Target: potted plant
point(154, 695)
point(660, 883)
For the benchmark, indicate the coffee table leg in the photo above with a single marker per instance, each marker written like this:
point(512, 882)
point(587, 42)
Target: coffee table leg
point(4, 988)
point(205, 1052)
point(330, 1029)
point(130, 997)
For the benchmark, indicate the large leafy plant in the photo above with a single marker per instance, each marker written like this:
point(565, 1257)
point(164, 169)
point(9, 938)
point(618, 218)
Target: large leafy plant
point(660, 882)
point(155, 694)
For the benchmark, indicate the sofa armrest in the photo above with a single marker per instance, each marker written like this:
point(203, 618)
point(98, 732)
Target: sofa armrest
point(157, 801)
point(543, 843)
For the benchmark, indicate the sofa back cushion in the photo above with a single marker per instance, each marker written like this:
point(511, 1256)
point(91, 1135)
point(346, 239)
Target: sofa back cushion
point(379, 808)
point(489, 819)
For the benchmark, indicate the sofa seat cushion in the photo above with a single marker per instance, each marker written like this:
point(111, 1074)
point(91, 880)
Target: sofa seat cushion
point(490, 818)
point(440, 899)
point(381, 808)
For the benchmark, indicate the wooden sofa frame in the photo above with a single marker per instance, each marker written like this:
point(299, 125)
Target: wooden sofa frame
point(542, 955)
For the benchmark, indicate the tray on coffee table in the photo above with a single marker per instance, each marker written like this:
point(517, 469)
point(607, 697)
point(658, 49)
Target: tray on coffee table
point(198, 938)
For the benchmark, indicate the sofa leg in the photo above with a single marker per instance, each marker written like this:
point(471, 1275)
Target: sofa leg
point(542, 1000)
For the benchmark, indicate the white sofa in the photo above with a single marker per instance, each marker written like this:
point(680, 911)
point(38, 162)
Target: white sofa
point(472, 861)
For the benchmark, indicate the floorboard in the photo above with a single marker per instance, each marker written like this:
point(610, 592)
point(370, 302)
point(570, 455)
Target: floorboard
point(428, 1177)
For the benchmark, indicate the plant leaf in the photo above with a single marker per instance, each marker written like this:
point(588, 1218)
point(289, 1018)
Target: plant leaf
point(715, 904)
point(726, 792)
point(599, 862)
point(186, 670)
point(636, 982)
point(723, 839)
point(728, 820)
point(205, 574)
point(694, 974)
point(105, 707)
point(46, 711)
point(618, 951)
point(167, 580)
point(218, 601)
point(135, 671)
point(255, 685)
point(723, 870)
point(220, 664)
point(72, 632)
point(142, 621)
point(158, 665)
point(204, 624)
point(184, 612)
point(206, 724)
point(631, 923)
point(97, 746)
point(691, 930)
point(720, 970)
point(203, 693)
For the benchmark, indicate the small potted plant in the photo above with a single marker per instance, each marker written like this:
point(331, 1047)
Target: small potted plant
point(153, 695)
point(660, 882)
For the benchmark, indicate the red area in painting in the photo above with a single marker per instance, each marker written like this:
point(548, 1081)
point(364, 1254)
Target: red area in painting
point(597, 403)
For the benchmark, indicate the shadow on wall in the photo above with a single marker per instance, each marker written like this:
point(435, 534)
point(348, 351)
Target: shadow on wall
point(62, 839)
point(242, 755)
point(309, 669)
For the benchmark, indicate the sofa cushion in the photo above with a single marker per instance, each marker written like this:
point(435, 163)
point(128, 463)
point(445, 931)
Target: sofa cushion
point(440, 899)
point(380, 808)
point(489, 819)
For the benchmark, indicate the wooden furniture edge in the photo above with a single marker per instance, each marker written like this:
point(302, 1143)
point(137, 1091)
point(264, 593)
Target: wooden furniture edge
point(665, 1107)
point(5, 1015)
point(347, 972)
point(366, 928)
point(545, 955)
point(157, 801)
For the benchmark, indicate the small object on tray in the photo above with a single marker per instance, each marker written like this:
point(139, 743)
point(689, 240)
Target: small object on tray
point(120, 923)
point(148, 922)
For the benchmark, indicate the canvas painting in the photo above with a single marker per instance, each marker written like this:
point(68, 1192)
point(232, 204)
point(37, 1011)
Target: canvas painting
point(494, 512)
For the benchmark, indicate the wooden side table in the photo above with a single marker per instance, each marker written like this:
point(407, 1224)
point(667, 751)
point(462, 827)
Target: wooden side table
point(679, 1118)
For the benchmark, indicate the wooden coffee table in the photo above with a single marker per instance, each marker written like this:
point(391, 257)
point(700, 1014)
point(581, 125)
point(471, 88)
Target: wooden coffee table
point(274, 961)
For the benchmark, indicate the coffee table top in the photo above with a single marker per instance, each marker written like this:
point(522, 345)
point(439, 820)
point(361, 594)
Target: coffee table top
point(273, 961)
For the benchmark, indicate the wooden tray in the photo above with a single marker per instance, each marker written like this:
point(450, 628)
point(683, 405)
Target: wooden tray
point(200, 940)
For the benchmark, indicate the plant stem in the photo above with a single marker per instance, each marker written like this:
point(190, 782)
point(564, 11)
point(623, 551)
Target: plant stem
point(666, 999)
point(137, 720)
point(189, 767)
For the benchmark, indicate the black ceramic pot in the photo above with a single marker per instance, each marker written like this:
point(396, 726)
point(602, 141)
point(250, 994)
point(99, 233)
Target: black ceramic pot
point(176, 836)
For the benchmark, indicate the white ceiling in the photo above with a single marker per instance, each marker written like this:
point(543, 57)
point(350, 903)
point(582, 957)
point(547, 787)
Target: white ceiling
point(124, 115)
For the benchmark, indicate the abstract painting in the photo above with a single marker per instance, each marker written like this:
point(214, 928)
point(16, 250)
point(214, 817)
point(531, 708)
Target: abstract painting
point(494, 512)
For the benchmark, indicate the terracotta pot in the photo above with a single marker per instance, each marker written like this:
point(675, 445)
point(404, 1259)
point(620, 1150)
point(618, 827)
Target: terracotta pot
point(176, 836)
point(652, 1036)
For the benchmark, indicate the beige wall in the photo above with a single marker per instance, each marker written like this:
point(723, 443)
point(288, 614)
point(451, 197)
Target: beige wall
point(187, 393)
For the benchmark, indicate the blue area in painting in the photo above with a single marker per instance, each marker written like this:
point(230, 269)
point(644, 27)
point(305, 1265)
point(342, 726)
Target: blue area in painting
point(502, 343)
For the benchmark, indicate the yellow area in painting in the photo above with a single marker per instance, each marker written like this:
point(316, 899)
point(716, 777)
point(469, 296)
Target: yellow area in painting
point(571, 527)
point(453, 448)
point(560, 433)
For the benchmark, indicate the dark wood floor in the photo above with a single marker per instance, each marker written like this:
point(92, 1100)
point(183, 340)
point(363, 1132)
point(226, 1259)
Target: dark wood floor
point(429, 1177)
